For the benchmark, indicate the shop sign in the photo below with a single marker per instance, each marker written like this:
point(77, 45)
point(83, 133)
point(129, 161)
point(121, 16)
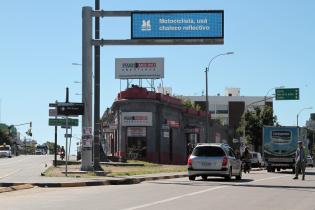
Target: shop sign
point(173, 123)
point(166, 134)
point(136, 132)
point(139, 68)
point(136, 118)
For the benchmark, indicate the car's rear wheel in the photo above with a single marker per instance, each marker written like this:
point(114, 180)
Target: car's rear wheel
point(191, 178)
point(204, 178)
point(228, 177)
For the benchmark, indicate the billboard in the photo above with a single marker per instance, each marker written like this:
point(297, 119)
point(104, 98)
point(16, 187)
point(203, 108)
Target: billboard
point(136, 118)
point(206, 24)
point(139, 68)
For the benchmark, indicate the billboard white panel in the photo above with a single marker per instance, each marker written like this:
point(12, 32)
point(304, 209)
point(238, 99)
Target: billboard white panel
point(136, 118)
point(139, 68)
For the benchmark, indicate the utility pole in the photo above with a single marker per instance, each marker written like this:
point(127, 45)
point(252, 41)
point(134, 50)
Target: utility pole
point(86, 163)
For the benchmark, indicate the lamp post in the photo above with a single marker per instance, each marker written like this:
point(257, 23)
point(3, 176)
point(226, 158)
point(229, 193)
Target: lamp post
point(297, 116)
point(282, 86)
point(207, 99)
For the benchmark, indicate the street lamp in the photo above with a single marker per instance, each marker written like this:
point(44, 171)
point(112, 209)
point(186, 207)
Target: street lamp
point(297, 116)
point(207, 99)
point(282, 86)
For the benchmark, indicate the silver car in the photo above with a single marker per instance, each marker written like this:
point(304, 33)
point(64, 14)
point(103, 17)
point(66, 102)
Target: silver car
point(210, 159)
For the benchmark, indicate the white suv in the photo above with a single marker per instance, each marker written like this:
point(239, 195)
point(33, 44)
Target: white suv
point(210, 159)
point(5, 151)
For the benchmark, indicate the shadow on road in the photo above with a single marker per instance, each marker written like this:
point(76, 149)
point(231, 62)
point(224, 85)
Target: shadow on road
point(200, 182)
point(294, 187)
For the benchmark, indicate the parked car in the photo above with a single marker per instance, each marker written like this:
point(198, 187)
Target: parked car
point(5, 151)
point(310, 161)
point(210, 159)
point(256, 160)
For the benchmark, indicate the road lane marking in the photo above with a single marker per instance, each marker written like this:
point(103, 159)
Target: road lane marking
point(13, 172)
point(196, 193)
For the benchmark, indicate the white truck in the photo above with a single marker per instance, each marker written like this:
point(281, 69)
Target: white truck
point(5, 151)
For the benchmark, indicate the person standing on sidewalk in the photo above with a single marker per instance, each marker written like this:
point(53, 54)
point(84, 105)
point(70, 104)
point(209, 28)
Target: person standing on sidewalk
point(300, 160)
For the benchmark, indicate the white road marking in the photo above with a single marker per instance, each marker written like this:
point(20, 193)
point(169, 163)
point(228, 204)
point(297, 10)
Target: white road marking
point(196, 193)
point(13, 172)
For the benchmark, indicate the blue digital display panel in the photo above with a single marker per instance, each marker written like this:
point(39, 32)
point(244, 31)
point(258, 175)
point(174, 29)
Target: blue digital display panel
point(177, 25)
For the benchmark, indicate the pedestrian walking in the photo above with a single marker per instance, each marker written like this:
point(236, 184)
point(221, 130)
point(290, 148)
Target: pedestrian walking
point(300, 160)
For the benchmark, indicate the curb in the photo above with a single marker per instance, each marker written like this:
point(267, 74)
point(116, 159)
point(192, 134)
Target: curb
point(16, 187)
point(124, 181)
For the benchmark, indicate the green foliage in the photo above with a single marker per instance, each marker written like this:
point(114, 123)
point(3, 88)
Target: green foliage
point(254, 122)
point(51, 147)
point(4, 134)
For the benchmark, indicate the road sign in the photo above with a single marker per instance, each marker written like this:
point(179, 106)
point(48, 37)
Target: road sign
point(52, 105)
point(287, 94)
point(52, 112)
point(62, 122)
point(70, 109)
point(177, 24)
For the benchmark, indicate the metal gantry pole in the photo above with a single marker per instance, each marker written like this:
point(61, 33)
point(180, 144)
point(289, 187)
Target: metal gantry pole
point(86, 163)
point(96, 142)
point(207, 108)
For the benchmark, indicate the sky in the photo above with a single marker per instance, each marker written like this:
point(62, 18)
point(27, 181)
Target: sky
point(272, 41)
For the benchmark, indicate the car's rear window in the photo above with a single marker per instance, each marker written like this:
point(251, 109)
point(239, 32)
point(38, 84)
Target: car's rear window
point(208, 151)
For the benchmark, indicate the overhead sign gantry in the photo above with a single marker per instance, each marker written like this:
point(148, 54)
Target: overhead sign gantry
point(168, 27)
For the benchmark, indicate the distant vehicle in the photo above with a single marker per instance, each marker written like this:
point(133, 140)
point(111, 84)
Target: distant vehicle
point(210, 159)
point(256, 160)
point(41, 150)
point(5, 151)
point(310, 161)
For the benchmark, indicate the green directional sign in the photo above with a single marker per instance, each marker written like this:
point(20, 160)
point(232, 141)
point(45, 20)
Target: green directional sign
point(287, 94)
point(62, 122)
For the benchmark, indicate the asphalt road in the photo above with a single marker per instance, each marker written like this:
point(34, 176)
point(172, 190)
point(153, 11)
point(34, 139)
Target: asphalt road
point(258, 190)
point(23, 168)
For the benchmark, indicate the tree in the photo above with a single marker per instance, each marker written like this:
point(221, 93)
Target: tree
point(4, 134)
point(51, 147)
point(254, 122)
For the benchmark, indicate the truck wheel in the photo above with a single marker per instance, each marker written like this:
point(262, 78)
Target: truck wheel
point(192, 178)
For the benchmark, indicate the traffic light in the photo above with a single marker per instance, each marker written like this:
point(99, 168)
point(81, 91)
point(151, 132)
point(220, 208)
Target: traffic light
point(29, 131)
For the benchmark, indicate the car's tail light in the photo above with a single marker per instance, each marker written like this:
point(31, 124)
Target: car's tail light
point(189, 162)
point(225, 161)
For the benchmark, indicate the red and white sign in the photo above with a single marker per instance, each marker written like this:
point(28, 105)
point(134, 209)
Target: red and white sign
point(136, 132)
point(173, 123)
point(136, 118)
point(139, 68)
